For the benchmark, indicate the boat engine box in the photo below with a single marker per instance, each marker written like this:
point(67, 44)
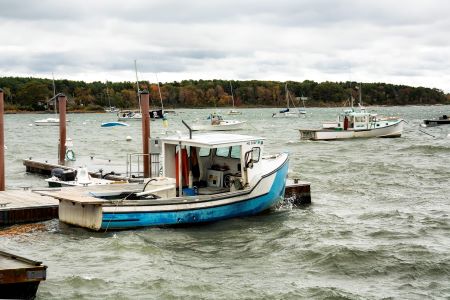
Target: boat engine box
point(64, 175)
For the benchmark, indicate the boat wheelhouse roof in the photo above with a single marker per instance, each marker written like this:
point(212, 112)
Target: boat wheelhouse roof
point(357, 114)
point(212, 140)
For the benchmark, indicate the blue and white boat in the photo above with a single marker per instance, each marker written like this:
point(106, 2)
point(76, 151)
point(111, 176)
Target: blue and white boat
point(113, 124)
point(207, 177)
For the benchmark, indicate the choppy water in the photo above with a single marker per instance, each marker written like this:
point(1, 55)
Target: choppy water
point(378, 227)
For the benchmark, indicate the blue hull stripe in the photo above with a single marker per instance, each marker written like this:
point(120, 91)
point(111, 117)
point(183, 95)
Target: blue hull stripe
point(238, 209)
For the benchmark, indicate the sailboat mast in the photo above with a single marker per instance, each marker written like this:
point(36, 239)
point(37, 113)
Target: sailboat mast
point(107, 94)
point(287, 95)
point(137, 84)
point(54, 91)
point(232, 97)
point(159, 90)
point(360, 92)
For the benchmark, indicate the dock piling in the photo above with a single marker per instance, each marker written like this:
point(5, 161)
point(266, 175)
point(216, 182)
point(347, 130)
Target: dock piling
point(145, 103)
point(2, 145)
point(61, 98)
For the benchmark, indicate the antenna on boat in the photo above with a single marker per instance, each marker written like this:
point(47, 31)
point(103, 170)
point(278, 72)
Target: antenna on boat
point(189, 128)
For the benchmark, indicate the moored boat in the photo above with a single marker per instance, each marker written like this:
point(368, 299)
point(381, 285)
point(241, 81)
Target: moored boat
point(444, 120)
point(217, 123)
point(351, 124)
point(207, 177)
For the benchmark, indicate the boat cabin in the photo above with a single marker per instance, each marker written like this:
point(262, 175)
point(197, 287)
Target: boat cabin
point(350, 120)
point(212, 163)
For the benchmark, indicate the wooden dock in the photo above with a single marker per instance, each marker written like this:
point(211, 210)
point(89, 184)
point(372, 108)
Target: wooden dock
point(26, 207)
point(45, 168)
point(19, 276)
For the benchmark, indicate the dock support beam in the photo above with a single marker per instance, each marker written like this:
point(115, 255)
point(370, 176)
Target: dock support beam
point(145, 104)
point(61, 98)
point(2, 145)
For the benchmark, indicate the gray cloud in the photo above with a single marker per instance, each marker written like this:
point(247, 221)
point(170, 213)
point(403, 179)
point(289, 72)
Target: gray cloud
point(399, 42)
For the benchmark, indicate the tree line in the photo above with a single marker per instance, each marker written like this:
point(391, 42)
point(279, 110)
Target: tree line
point(32, 94)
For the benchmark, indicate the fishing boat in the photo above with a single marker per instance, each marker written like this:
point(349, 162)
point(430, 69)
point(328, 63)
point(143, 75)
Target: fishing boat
point(444, 120)
point(355, 124)
point(215, 122)
point(233, 111)
point(288, 112)
point(206, 177)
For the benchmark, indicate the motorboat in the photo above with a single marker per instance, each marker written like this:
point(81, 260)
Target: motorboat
point(217, 123)
point(444, 120)
point(79, 177)
point(47, 122)
point(206, 177)
point(129, 115)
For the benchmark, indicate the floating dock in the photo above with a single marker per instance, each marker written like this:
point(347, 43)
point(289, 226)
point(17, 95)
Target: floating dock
point(19, 276)
point(45, 168)
point(25, 207)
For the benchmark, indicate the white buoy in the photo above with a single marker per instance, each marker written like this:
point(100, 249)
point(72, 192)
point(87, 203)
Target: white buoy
point(128, 138)
point(30, 124)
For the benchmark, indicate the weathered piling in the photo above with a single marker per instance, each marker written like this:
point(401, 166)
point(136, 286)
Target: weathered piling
point(61, 98)
point(2, 145)
point(298, 192)
point(145, 104)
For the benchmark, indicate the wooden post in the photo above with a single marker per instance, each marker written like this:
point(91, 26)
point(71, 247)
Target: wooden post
point(61, 98)
point(2, 145)
point(145, 107)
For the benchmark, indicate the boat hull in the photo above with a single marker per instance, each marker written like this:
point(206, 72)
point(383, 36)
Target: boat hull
point(289, 114)
point(390, 131)
point(223, 126)
point(265, 195)
point(433, 123)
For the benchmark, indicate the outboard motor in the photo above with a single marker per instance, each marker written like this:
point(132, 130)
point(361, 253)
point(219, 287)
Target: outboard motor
point(64, 175)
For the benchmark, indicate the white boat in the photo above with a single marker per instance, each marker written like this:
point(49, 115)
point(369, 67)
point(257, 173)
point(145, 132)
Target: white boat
point(350, 124)
point(111, 109)
point(47, 122)
point(233, 111)
point(50, 121)
point(206, 177)
point(288, 112)
point(80, 177)
point(129, 115)
point(217, 123)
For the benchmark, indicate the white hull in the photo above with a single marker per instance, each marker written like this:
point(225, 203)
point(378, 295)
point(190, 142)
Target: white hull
point(223, 126)
point(48, 122)
point(392, 130)
point(289, 114)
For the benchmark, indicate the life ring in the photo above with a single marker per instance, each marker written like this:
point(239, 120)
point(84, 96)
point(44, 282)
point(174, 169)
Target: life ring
point(70, 155)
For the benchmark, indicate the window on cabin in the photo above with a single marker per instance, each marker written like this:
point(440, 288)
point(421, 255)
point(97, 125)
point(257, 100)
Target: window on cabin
point(223, 152)
point(235, 152)
point(204, 152)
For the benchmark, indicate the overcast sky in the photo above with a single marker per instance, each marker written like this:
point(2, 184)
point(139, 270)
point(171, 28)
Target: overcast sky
point(400, 42)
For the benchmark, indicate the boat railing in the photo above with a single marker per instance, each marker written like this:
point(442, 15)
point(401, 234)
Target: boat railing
point(135, 165)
